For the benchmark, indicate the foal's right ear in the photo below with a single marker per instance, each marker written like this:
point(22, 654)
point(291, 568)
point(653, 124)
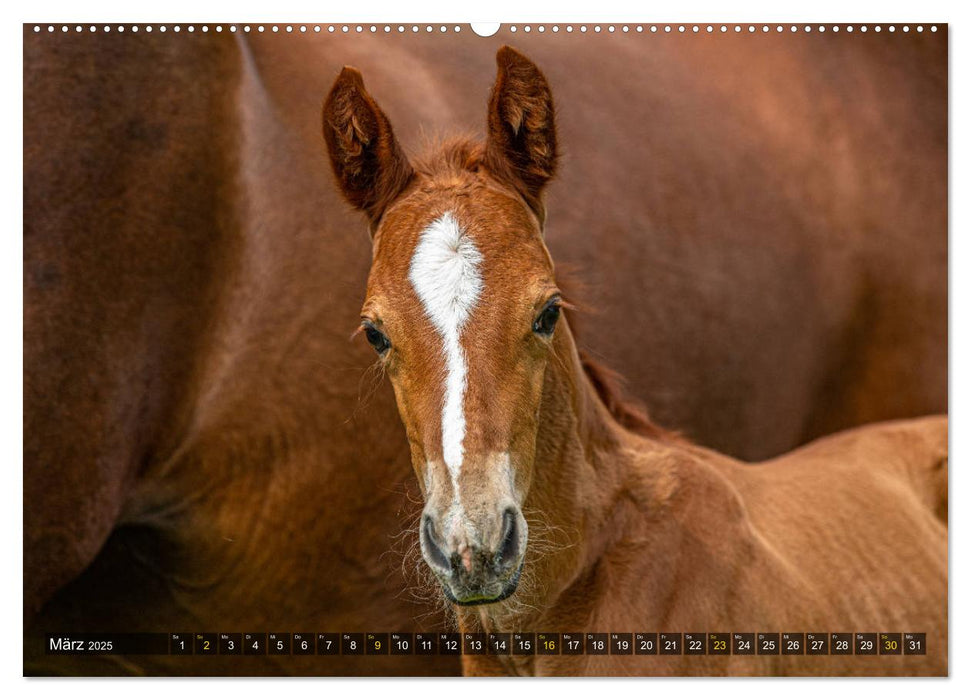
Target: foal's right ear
point(521, 145)
point(370, 166)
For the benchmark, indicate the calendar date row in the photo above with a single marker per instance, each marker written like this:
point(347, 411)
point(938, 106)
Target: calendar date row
point(512, 643)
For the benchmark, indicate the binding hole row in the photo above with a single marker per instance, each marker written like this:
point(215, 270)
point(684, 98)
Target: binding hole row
point(443, 29)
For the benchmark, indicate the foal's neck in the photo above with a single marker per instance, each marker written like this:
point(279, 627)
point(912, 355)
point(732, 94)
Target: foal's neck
point(592, 479)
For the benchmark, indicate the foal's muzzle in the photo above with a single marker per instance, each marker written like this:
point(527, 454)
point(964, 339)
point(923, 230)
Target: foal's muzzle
point(472, 572)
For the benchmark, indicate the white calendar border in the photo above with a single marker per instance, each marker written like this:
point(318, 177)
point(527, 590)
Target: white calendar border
point(602, 11)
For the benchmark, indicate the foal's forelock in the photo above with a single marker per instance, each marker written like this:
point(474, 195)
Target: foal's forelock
point(445, 272)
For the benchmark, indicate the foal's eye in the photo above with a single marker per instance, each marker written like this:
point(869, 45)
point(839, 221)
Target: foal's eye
point(546, 321)
point(379, 341)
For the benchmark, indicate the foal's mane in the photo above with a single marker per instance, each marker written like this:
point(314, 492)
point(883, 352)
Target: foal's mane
point(465, 154)
point(628, 412)
point(453, 154)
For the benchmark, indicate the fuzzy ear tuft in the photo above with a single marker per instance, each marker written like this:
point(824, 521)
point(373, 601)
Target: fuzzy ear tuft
point(370, 167)
point(521, 142)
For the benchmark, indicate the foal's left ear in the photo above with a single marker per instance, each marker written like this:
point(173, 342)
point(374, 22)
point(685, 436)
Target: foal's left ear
point(521, 143)
point(370, 166)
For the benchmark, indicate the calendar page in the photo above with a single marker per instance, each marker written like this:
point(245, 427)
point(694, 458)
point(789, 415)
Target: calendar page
point(590, 349)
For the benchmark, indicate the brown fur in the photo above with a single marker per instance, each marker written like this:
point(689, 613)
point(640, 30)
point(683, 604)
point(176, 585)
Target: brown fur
point(762, 230)
point(520, 144)
point(362, 145)
point(638, 529)
point(607, 383)
point(846, 534)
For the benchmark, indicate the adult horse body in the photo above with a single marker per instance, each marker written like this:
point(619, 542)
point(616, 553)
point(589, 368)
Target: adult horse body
point(511, 438)
point(193, 438)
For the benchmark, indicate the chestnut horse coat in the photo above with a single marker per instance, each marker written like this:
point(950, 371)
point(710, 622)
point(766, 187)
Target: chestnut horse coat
point(760, 228)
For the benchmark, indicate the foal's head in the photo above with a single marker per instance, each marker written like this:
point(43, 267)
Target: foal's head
point(461, 308)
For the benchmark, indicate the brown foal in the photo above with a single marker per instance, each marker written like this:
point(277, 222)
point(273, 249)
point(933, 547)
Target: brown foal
point(542, 510)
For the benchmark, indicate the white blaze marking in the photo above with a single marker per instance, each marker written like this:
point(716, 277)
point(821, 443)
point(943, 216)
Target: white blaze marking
point(445, 275)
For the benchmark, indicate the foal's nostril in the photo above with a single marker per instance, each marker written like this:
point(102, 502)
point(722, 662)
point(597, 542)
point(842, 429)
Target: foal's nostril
point(432, 547)
point(508, 551)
